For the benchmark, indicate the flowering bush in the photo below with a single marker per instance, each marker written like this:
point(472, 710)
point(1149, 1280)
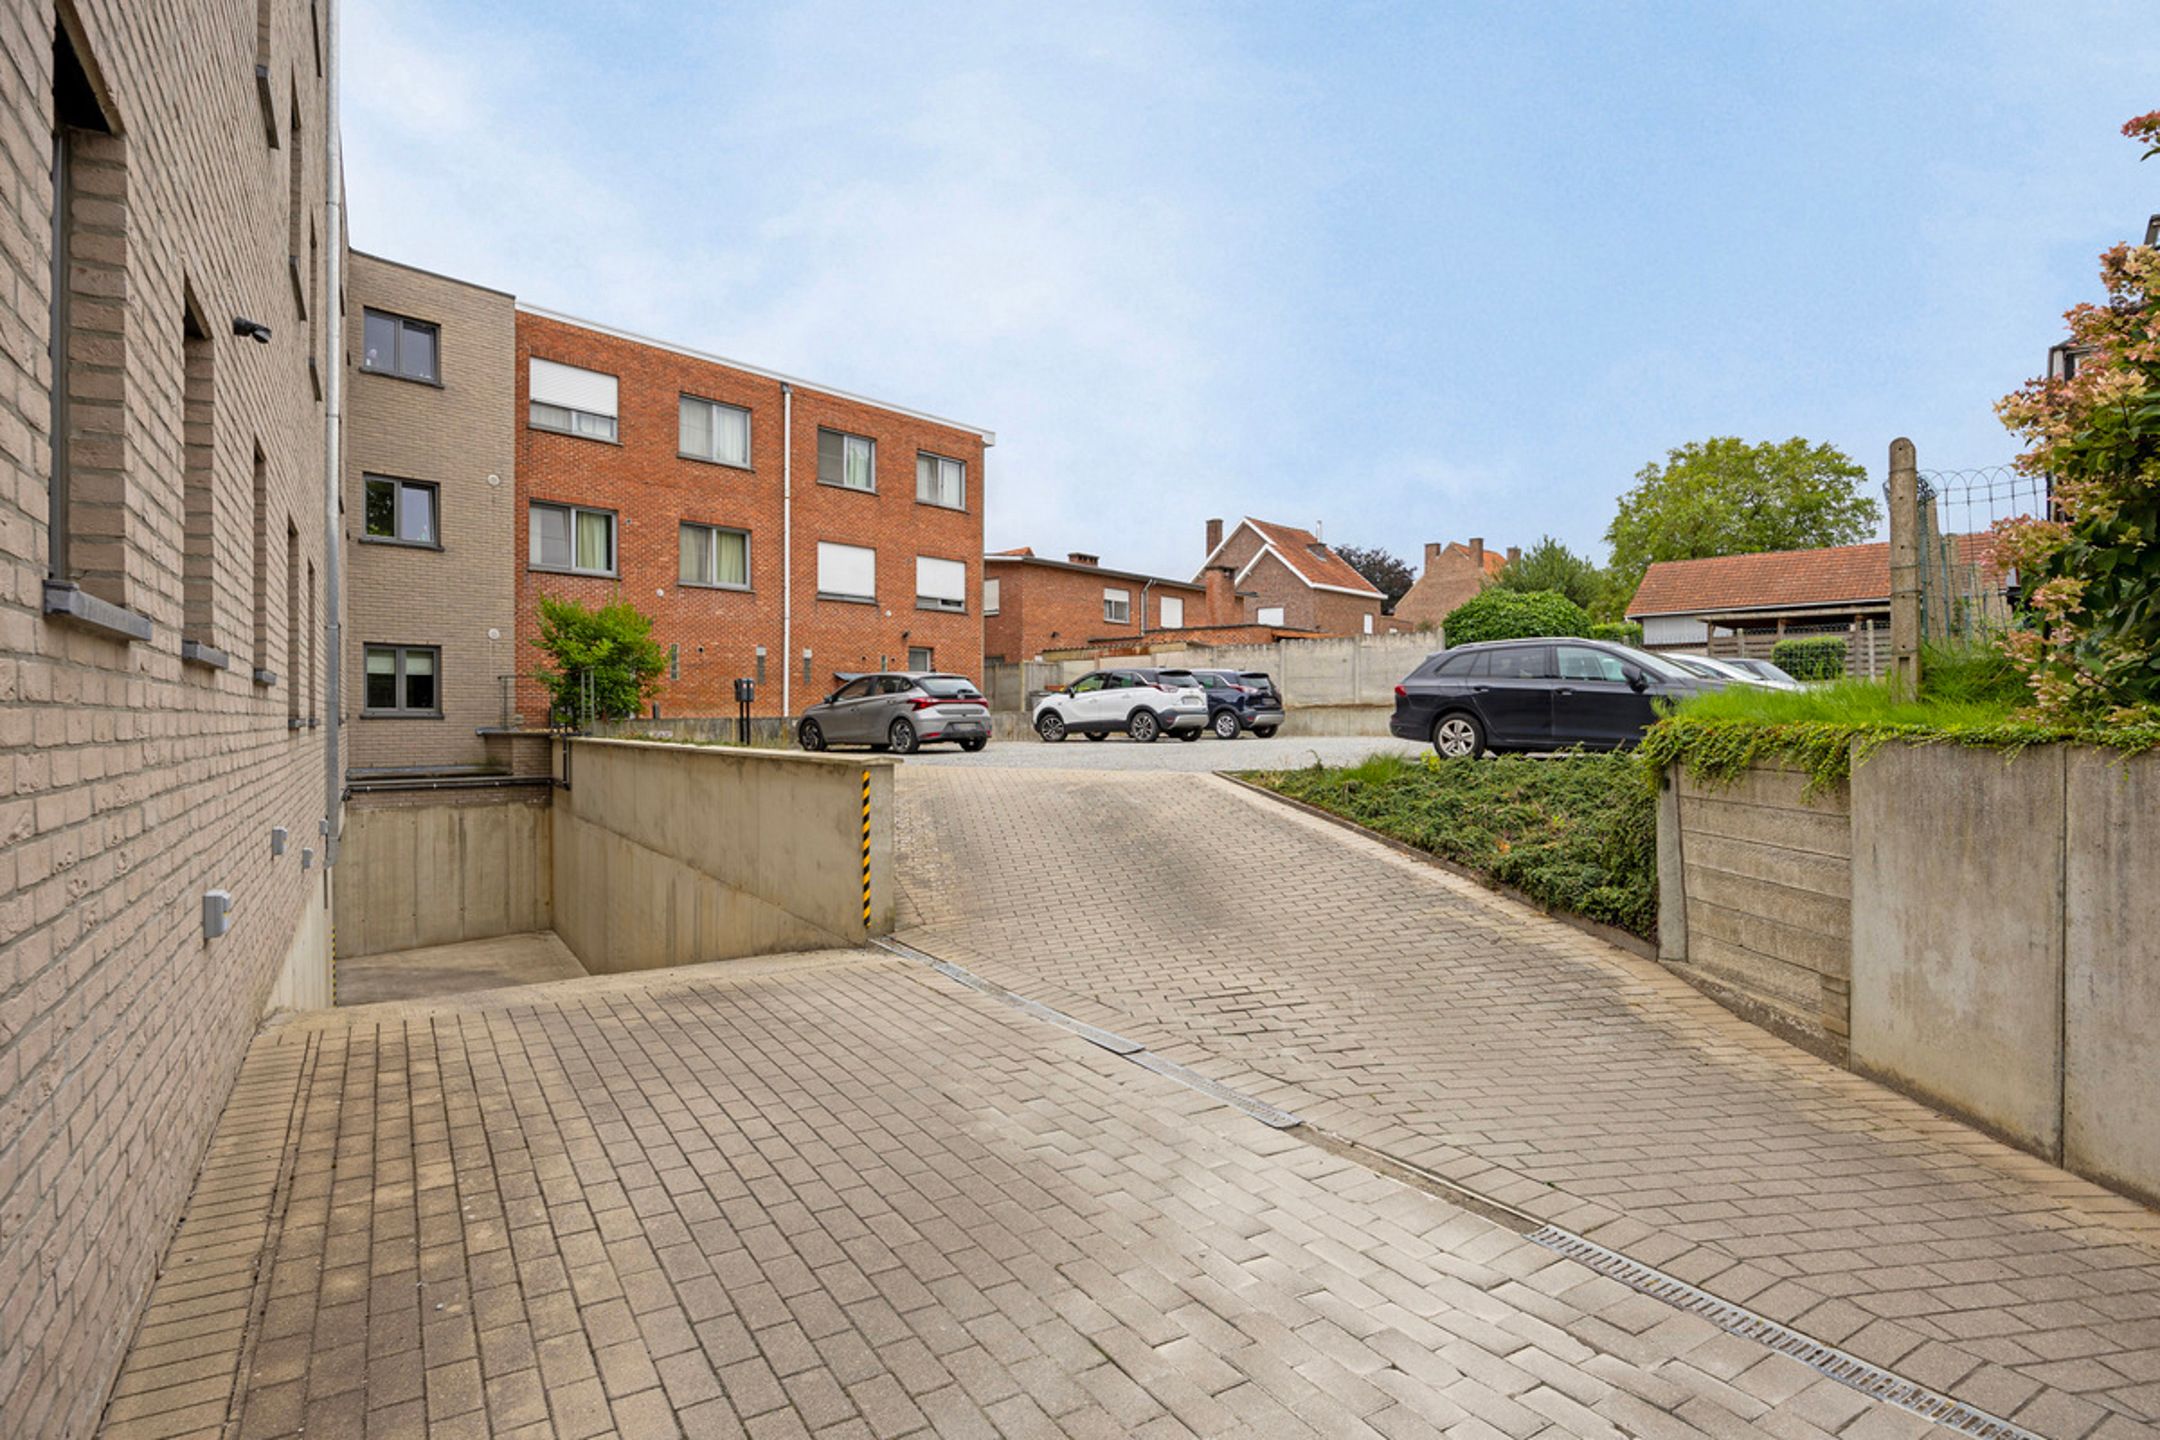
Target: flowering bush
point(2090, 646)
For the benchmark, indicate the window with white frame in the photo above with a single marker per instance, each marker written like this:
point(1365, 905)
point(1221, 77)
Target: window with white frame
point(1368, 624)
point(1268, 615)
point(940, 584)
point(1173, 612)
point(990, 597)
point(1117, 606)
point(939, 481)
point(849, 461)
point(573, 538)
point(716, 432)
point(846, 572)
point(570, 400)
point(401, 680)
point(714, 556)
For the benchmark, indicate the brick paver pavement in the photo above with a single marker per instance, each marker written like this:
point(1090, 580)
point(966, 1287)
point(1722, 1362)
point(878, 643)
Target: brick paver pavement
point(1400, 1006)
point(843, 1196)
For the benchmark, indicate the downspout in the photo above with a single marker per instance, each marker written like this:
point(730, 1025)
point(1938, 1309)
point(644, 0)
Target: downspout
point(787, 549)
point(1144, 610)
point(333, 304)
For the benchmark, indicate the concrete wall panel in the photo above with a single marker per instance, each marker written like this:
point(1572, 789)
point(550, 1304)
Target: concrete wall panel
point(1957, 971)
point(436, 867)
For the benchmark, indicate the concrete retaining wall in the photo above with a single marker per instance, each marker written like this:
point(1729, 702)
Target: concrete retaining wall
point(1755, 898)
point(676, 854)
point(1352, 670)
point(429, 867)
point(1997, 917)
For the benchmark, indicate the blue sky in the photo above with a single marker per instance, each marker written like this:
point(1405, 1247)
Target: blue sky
point(1416, 272)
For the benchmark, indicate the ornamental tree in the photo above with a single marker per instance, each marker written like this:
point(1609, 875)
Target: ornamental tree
point(1723, 496)
point(2089, 644)
point(612, 644)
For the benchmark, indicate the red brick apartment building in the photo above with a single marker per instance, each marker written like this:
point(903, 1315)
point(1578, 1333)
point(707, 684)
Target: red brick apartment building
point(1032, 604)
point(776, 530)
point(164, 589)
point(1286, 578)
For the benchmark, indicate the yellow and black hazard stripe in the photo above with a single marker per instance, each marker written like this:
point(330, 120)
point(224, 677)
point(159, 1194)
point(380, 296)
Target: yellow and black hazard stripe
point(866, 849)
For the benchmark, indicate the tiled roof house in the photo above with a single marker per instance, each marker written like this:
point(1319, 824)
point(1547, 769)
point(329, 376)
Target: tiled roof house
point(1287, 577)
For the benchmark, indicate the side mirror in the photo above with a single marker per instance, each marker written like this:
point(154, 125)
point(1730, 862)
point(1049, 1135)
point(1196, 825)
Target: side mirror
point(1637, 681)
point(832, 697)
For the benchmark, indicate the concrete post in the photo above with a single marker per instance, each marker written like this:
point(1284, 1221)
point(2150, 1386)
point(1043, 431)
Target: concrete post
point(1904, 568)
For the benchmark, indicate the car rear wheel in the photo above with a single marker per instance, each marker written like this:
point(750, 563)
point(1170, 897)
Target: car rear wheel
point(1457, 735)
point(902, 737)
point(971, 746)
point(1226, 724)
point(1051, 727)
point(1143, 726)
point(810, 735)
point(1263, 731)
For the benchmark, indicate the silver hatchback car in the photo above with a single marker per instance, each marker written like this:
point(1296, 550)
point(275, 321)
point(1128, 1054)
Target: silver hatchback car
point(898, 710)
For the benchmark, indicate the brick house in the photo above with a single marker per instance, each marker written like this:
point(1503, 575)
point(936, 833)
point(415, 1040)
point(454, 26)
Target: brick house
point(668, 477)
point(1285, 577)
point(163, 682)
point(1032, 604)
point(1453, 572)
point(431, 518)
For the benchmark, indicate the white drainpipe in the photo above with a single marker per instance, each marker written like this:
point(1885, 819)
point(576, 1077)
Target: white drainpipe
point(787, 548)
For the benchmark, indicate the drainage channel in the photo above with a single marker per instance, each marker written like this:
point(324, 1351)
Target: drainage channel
point(1850, 1370)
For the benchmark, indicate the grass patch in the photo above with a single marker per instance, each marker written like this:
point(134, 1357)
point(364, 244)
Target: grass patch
point(1577, 833)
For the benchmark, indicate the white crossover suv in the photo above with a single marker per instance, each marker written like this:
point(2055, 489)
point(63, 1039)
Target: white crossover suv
point(1144, 704)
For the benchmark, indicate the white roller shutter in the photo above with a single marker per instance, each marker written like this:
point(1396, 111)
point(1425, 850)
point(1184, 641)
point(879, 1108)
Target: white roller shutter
point(847, 570)
point(940, 580)
point(572, 388)
point(1173, 612)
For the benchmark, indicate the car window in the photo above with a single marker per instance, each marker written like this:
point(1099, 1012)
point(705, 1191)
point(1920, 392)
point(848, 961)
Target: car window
point(854, 689)
point(1087, 683)
point(897, 685)
point(1258, 679)
point(1471, 666)
point(949, 687)
point(1209, 680)
point(1176, 679)
point(1523, 662)
point(1580, 662)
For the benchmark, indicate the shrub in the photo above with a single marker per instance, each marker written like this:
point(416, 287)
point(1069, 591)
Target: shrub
point(613, 645)
point(1819, 657)
point(1620, 632)
point(1497, 614)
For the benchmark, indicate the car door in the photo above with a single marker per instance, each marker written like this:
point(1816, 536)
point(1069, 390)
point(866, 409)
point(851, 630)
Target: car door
point(1115, 700)
point(845, 720)
point(1514, 690)
point(1593, 703)
point(1083, 701)
point(885, 703)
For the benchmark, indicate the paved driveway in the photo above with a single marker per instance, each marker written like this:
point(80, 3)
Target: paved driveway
point(1400, 1006)
point(1247, 752)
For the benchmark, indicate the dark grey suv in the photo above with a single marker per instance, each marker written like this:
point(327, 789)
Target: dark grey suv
point(1537, 695)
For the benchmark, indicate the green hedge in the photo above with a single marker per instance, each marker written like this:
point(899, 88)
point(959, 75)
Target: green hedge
point(1498, 614)
point(1577, 833)
point(1819, 657)
point(1620, 632)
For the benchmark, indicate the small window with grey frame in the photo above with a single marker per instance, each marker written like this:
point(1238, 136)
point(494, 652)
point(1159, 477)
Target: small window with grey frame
point(941, 481)
point(848, 461)
point(403, 680)
point(401, 346)
point(402, 511)
point(714, 556)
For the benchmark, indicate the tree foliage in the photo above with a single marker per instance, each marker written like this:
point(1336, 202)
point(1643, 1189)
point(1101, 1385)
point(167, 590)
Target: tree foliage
point(1723, 496)
point(2090, 647)
point(613, 644)
point(1550, 565)
point(1382, 569)
point(1498, 614)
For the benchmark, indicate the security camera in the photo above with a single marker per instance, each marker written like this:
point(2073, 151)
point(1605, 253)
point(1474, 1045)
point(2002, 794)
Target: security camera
point(251, 329)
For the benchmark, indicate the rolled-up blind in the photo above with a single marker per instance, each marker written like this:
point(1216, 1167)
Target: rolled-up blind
point(846, 570)
point(940, 579)
point(572, 388)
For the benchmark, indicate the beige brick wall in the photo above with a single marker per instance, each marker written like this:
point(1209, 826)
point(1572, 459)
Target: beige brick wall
point(130, 782)
point(460, 437)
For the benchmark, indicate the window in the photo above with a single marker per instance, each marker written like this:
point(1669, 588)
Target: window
point(846, 572)
point(1173, 612)
point(198, 397)
point(716, 432)
point(401, 680)
point(570, 537)
point(292, 620)
point(921, 657)
point(1524, 662)
point(1368, 624)
point(1117, 606)
point(398, 346)
point(940, 585)
point(1580, 662)
point(401, 510)
point(1268, 615)
point(990, 597)
point(714, 556)
point(939, 481)
point(572, 401)
point(856, 689)
point(259, 594)
point(849, 461)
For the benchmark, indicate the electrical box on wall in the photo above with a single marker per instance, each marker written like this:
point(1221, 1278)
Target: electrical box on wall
point(216, 913)
point(278, 836)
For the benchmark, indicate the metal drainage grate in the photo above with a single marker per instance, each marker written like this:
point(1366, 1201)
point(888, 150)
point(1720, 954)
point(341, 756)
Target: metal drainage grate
point(1260, 1110)
point(1093, 1034)
point(1871, 1380)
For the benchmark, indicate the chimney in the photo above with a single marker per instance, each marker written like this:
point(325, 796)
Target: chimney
point(1222, 605)
point(1214, 536)
point(1514, 553)
point(1477, 552)
point(1079, 559)
point(1434, 549)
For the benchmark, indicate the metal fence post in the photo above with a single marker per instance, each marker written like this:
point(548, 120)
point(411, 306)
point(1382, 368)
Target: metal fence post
point(1904, 569)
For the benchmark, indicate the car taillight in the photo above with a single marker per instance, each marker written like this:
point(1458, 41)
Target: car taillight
point(1401, 693)
point(922, 702)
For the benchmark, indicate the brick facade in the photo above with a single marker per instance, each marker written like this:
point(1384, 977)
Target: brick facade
point(1059, 605)
point(1452, 573)
point(132, 780)
point(1265, 579)
point(457, 595)
point(652, 490)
